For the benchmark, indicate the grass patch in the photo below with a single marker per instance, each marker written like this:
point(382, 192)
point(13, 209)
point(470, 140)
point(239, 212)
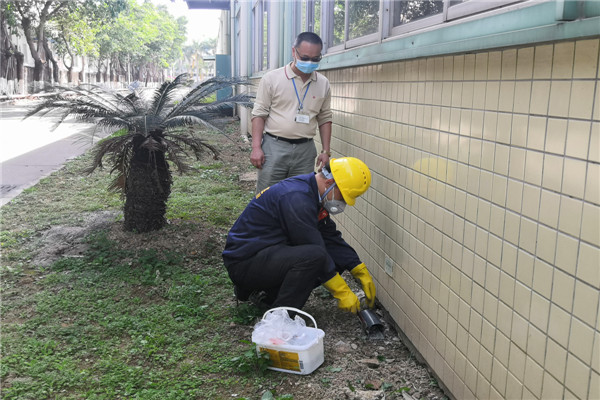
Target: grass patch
point(138, 316)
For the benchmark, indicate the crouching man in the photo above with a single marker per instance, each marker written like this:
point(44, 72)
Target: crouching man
point(284, 244)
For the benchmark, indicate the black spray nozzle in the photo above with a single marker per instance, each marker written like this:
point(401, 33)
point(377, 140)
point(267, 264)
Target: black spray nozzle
point(371, 323)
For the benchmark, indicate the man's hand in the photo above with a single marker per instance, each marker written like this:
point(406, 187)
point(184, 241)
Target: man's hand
point(321, 161)
point(361, 273)
point(257, 158)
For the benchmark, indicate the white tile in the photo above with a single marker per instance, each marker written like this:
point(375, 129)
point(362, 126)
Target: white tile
point(569, 220)
point(567, 248)
point(587, 264)
point(549, 208)
point(578, 139)
point(590, 225)
point(553, 172)
point(592, 185)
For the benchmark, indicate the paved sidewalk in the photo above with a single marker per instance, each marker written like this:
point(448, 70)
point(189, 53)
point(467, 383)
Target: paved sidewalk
point(24, 171)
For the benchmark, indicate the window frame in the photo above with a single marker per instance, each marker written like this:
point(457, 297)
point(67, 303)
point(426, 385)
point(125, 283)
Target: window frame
point(386, 30)
point(260, 29)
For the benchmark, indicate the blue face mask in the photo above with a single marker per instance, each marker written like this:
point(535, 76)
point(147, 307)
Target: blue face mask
point(307, 66)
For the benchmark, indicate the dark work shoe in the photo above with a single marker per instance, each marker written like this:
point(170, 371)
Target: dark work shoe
point(260, 300)
point(240, 293)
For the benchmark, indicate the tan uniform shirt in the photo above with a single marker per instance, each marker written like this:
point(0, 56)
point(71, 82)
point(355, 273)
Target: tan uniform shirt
point(276, 101)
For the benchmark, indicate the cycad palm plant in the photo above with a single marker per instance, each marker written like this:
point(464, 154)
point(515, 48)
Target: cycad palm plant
point(149, 131)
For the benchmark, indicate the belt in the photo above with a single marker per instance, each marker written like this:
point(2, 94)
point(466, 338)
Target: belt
point(292, 141)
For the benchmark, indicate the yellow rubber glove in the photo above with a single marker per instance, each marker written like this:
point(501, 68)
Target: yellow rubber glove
point(347, 300)
point(361, 273)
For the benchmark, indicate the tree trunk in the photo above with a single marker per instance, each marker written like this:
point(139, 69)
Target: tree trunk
point(50, 56)
point(81, 73)
point(148, 186)
point(38, 66)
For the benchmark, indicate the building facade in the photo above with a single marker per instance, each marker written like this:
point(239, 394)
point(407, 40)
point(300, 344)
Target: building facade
point(480, 121)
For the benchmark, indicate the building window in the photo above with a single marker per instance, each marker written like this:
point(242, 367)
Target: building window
point(311, 16)
point(260, 20)
point(350, 23)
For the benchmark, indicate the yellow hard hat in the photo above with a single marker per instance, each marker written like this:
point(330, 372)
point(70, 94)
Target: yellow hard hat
point(352, 177)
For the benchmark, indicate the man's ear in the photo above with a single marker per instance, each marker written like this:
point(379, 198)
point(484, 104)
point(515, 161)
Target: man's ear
point(329, 181)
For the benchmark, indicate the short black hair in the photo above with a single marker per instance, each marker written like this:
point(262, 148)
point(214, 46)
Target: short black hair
point(309, 37)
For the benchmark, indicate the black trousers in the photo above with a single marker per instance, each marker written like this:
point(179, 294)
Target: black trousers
point(287, 274)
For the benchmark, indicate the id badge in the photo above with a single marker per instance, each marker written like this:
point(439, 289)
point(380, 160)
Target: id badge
point(302, 118)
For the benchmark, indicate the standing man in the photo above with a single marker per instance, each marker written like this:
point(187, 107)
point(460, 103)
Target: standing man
point(291, 103)
point(285, 244)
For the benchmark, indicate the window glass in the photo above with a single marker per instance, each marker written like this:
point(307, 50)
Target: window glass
point(265, 31)
point(413, 10)
point(339, 22)
point(363, 18)
point(317, 14)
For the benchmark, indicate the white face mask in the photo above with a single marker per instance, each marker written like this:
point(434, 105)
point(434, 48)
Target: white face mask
point(332, 206)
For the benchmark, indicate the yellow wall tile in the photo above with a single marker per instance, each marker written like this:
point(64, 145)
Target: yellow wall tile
point(540, 313)
point(581, 340)
point(577, 377)
point(552, 389)
point(556, 360)
point(590, 226)
point(534, 374)
point(516, 365)
point(559, 325)
point(562, 63)
point(522, 305)
point(549, 208)
point(569, 220)
point(553, 172)
point(492, 94)
point(556, 135)
point(522, 97)
point(542, 66)
point(479, 93)
point(525, 63)
point(506, 96)
point(514, 387)
point(562, 291)
point(574, 178)
point(592, 185)
point(546, 243)
point(536, 345)
point(534, 162)
point(499, 374)
point(519, 129)
point(559, 98)
point(536, 134)
point(585, 303)
point(594, 392)
point(567, 248)
point(509, 64)
point(494, 65)
point(581, 100)
point(531, 201)
point(587, 264)
point(528, 234)
point(481, 66)
point(540, 97)
point(578, 139)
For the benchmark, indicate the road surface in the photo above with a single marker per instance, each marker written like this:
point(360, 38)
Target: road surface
point(31, 150)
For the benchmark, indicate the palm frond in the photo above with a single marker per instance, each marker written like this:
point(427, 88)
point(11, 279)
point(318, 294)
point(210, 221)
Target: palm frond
point(166, 92)
point(203, 91)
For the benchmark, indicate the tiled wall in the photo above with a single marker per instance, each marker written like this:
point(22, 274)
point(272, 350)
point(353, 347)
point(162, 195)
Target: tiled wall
point(485, 201)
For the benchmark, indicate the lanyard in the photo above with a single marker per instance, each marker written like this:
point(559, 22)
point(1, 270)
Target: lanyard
point(300, 103)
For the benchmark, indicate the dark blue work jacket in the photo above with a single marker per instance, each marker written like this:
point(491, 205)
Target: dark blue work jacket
point(290, 213)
